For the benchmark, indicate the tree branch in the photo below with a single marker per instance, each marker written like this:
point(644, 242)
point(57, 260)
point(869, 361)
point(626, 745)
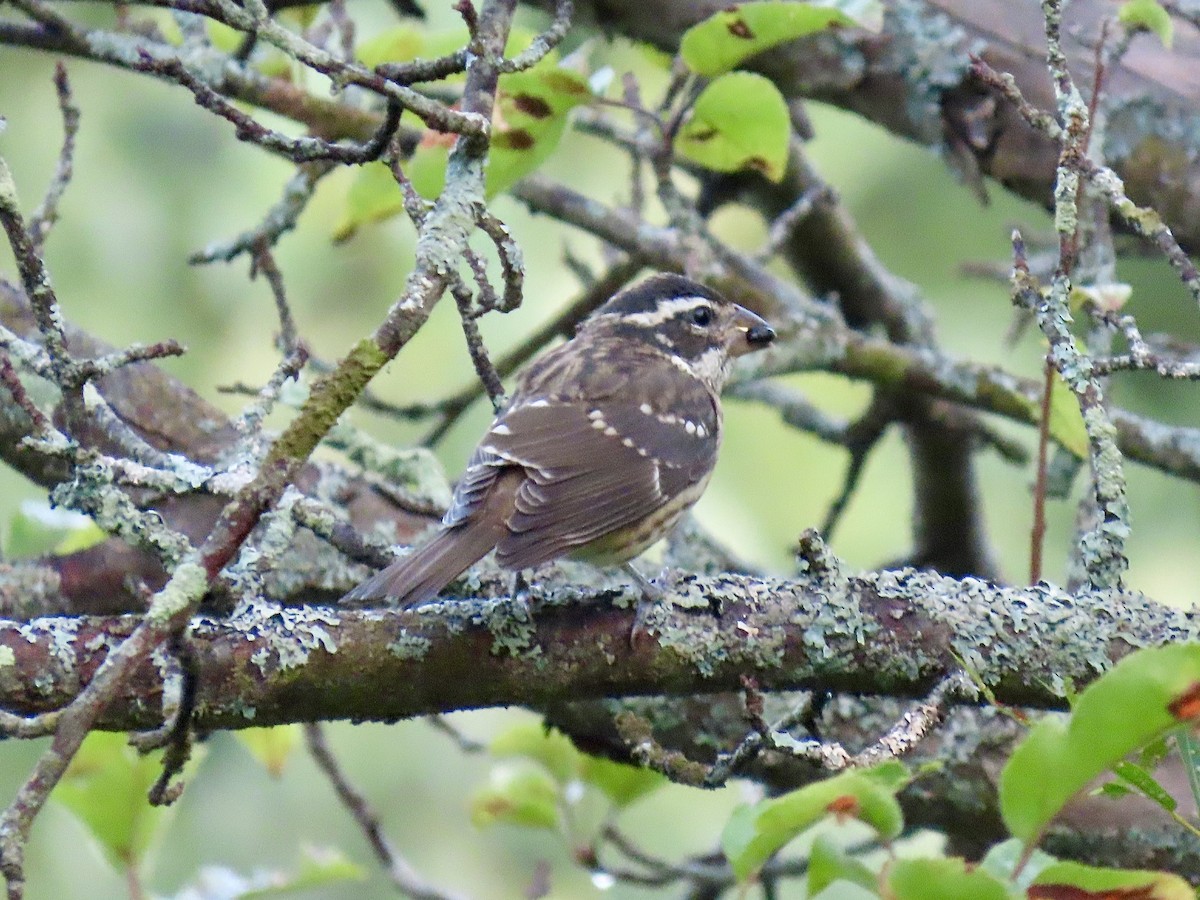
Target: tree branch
point(893, 633)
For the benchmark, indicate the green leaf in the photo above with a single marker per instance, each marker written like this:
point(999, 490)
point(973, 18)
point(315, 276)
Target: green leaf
point(942, 879)
point(87, 535)
point(1150, 15)
point(827, 864)
point(373, 197)
point(403, 43)
point(1145, 695)
point(318, 868)
point(1113, 790)
point(37, 529)
point(105, 787)
point(529, 120)
point(1150, 756)
point(755, 833)
point(845, 890)
point(270, 746)
point(1003, 858)
point(547, 746)
point(1145, 784)
point(620, 782)
point(223, 38)
point(1110, 296)
point(1066, 421)
point(1189, 755)
point(720, 42)
point(740, 121)
point(519, 795)
point(1108, 883)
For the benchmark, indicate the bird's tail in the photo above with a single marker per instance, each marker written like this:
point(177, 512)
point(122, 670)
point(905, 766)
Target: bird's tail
point(419, 576)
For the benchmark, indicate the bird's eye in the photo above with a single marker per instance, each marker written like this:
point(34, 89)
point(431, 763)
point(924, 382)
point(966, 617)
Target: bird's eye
point(702, 316)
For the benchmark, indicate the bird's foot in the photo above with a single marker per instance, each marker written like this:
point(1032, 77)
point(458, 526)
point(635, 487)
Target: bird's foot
point(653, 595)
point(520, 586)
point(651, 592)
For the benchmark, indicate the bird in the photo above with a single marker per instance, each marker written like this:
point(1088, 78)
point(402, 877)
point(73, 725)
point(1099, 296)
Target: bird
point(606, 441)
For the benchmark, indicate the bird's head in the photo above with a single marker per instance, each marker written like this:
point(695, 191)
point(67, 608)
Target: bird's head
point(696, 327)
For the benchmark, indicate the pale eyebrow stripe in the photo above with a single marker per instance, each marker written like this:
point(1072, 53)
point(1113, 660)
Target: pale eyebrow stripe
point(665, 310)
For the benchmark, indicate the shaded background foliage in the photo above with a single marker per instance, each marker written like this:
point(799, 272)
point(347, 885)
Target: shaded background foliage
point(157, 179)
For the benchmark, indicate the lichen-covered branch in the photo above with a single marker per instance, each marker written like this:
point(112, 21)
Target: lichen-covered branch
point(893, 633)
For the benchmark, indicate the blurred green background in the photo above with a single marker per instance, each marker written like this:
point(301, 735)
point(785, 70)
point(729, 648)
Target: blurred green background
point(156, 179)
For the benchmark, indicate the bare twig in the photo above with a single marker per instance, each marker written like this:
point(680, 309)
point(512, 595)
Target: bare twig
point(264, 263)
point(785, 223)
point(563, 325)
point(279, 220)
point(1037, 534)
point(9, 378)
point(488, 376)
point(404, 877)
point(1142, 220)
point(544, 42)
point(908, 731)
point(298, 150)
point(46, 214)
point(860, 439)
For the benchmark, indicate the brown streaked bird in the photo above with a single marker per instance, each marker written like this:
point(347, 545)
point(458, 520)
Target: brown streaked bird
point(606, 442)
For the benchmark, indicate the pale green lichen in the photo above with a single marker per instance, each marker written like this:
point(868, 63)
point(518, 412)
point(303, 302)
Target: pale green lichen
point(188, 583)
point(511, 626)
point(409, 646)
point(286, 635)
point(926, 50)
point(7, 657)
point(1066, 215)
point(684, 622)
point(8, 187)
point(415, 470)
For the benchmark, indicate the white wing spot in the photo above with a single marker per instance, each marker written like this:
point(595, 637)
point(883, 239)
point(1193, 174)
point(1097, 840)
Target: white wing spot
point(647, 409)
point(701, 431)
point(596, 414)
point(501, 429)
point(599, 424)
point(628, 442)
point(610, 431)
point(690, 427)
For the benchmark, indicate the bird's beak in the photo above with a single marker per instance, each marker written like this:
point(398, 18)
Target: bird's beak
point(750, 332)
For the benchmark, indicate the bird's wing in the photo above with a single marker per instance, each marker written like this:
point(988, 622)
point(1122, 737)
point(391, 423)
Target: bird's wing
point(591, 470)
point(483, 469)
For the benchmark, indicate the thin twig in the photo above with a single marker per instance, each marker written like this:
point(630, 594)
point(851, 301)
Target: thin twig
point(46, 214)
point(246, 128)
point(563, 325)
point(1037, 534)
point(404, 877)
point(280, 218)
point(541, 45)
point(40, 425)
point(860, 439)
point(264, 263)
point(1144, 221)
